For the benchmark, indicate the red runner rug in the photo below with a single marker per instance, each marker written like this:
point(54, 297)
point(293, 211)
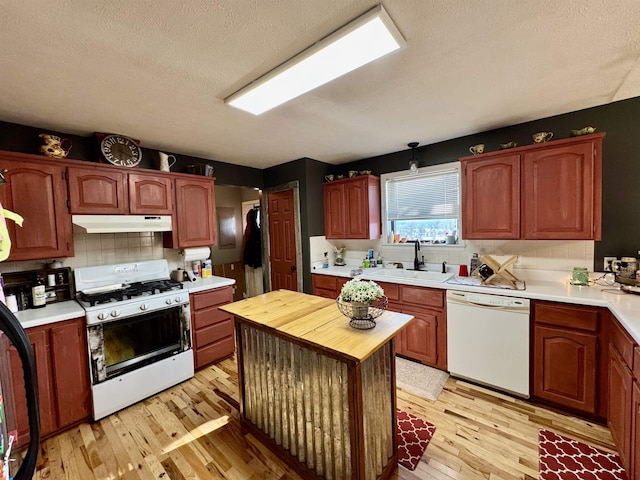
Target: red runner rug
point(562, 458)
point(414, 435)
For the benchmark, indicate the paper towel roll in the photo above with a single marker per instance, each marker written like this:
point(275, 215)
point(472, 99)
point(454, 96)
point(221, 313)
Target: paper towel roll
point(199, 253)
point(190, 276)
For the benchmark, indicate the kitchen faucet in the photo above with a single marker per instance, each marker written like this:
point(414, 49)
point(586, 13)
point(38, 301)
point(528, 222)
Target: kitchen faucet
point(417, 264)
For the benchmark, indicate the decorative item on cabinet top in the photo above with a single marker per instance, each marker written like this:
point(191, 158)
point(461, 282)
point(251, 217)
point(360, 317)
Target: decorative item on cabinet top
point(583, 131)
point(507, 145)
point(351, 174)
point(58, 285)
point(54, 146)
point(119, 150)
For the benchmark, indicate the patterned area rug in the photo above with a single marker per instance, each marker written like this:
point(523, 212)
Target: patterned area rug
point(419, 379)
point(414, 434)
point(562, 458)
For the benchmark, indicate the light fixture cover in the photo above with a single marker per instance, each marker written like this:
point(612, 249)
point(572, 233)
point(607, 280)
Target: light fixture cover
point(361, 41)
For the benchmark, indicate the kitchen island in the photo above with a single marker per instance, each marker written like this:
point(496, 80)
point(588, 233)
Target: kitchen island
point(318, 392)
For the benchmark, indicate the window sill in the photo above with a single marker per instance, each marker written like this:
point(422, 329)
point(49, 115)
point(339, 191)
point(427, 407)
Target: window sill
point(426, 245)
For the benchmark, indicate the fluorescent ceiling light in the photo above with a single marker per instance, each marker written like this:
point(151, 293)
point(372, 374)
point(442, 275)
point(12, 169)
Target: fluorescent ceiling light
point(361, 41)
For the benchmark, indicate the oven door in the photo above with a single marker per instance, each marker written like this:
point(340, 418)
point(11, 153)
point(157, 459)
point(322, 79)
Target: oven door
point(122, 345)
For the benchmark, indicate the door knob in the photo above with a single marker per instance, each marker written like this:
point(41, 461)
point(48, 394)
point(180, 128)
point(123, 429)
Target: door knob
point(293, 268)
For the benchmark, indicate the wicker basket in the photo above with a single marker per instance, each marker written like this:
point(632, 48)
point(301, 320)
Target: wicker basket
point(362, 316)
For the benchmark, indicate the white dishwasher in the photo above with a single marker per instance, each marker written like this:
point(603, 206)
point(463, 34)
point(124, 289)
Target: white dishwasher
point(488, 340)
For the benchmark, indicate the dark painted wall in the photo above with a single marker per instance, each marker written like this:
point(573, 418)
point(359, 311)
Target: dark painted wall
point(621, 164)
point(22, 138)
point(307, 172)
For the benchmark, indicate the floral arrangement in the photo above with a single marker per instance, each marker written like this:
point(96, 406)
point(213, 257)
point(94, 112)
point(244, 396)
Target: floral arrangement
point(363, 291)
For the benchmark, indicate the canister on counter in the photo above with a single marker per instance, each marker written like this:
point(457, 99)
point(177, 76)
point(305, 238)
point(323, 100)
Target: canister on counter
point(196, 268)
point(207, 271)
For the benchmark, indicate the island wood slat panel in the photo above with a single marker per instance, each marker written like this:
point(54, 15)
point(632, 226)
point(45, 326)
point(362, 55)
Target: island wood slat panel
point(319, 392)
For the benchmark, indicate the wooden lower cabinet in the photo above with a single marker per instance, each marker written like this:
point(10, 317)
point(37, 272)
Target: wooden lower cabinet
point(425, 338)
point(419, 338)
point(621, 413)
point(328, 286)
point(213, 337)
point(569, 357)
point(634, 470)
point(62, 371)
point(565, 366)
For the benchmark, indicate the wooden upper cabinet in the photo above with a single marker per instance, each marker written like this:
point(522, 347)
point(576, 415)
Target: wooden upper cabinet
point(550, 191)
point(95, 190)
point(334, 211)
point(561, 193)
point(194, 214)
point(150, 194)
point(491, 198)
point(352, 208)
point(37, 192)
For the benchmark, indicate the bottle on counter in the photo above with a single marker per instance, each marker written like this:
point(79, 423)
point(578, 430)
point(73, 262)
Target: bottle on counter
point(475, 262)
point(325, 260)
point(38, 296)
point(379, 260)
point(365, 263)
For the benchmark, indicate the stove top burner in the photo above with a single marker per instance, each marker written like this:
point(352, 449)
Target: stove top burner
point(128, 291)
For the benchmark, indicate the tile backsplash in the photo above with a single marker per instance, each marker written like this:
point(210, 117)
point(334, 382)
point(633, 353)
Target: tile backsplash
point(107, 248)
point(534, 254)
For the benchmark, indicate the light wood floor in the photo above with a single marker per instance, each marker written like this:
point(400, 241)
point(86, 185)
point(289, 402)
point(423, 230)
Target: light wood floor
point(189, 432)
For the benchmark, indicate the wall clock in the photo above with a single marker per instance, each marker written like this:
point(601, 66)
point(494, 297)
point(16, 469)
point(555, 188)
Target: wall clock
point(120, 150)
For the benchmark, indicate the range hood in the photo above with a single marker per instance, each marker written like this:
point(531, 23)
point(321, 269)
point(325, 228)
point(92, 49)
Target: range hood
point(121, 223)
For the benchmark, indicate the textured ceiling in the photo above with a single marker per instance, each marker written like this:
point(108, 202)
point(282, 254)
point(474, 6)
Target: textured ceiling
point(159, 70)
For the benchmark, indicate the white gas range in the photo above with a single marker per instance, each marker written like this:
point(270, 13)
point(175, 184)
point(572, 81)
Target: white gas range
point(138, 331)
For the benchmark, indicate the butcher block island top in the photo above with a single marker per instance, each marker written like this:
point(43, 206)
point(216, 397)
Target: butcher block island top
point(319, 393)
point(317, 321)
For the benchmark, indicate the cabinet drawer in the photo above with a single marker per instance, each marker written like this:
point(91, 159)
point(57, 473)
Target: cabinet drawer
point(622, 341)
point(218, 296)
point(582, 318)
point(210, 316)
point(324, 281)
point(391, 290)
point(213, 333)
point(422, 296)
point(320, 292)
point(214, 352)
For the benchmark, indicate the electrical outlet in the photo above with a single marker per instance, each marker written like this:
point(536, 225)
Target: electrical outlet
point(607, 263)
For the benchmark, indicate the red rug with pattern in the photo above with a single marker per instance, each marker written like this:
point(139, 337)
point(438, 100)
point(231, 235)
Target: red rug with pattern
point(562, 458)
point(414, 434)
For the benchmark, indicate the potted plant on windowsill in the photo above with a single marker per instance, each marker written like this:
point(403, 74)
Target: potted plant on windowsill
point(362, 301)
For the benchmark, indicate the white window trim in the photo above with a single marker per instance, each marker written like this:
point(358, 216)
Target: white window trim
point(406, 173)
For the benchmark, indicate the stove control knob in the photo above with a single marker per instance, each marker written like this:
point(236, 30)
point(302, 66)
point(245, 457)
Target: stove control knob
point(115, 313)
point(102, 316)
point(143, 306)
point(168, 301)
point(178, 299)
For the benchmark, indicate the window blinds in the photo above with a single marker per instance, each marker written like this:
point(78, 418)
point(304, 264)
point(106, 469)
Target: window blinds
point(424, 196)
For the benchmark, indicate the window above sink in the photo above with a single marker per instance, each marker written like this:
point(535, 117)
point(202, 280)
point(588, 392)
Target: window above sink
point(424, 205)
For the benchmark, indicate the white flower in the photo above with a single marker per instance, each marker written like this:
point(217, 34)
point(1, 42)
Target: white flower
point(357, 290)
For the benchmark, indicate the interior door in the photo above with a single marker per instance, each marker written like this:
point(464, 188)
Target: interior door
point(282, 241)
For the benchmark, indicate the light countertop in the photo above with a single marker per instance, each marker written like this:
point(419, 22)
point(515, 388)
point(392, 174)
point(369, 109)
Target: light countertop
point(57, 312)
point(208, 283)
point(53, 312)
point(625, 307)
point(316, 321)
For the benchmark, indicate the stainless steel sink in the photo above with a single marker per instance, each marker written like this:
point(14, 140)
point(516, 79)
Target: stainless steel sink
point(410, 274)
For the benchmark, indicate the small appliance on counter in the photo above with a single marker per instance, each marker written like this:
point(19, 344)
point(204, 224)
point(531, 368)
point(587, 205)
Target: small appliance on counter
point(339, 261)
point(626, 270)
